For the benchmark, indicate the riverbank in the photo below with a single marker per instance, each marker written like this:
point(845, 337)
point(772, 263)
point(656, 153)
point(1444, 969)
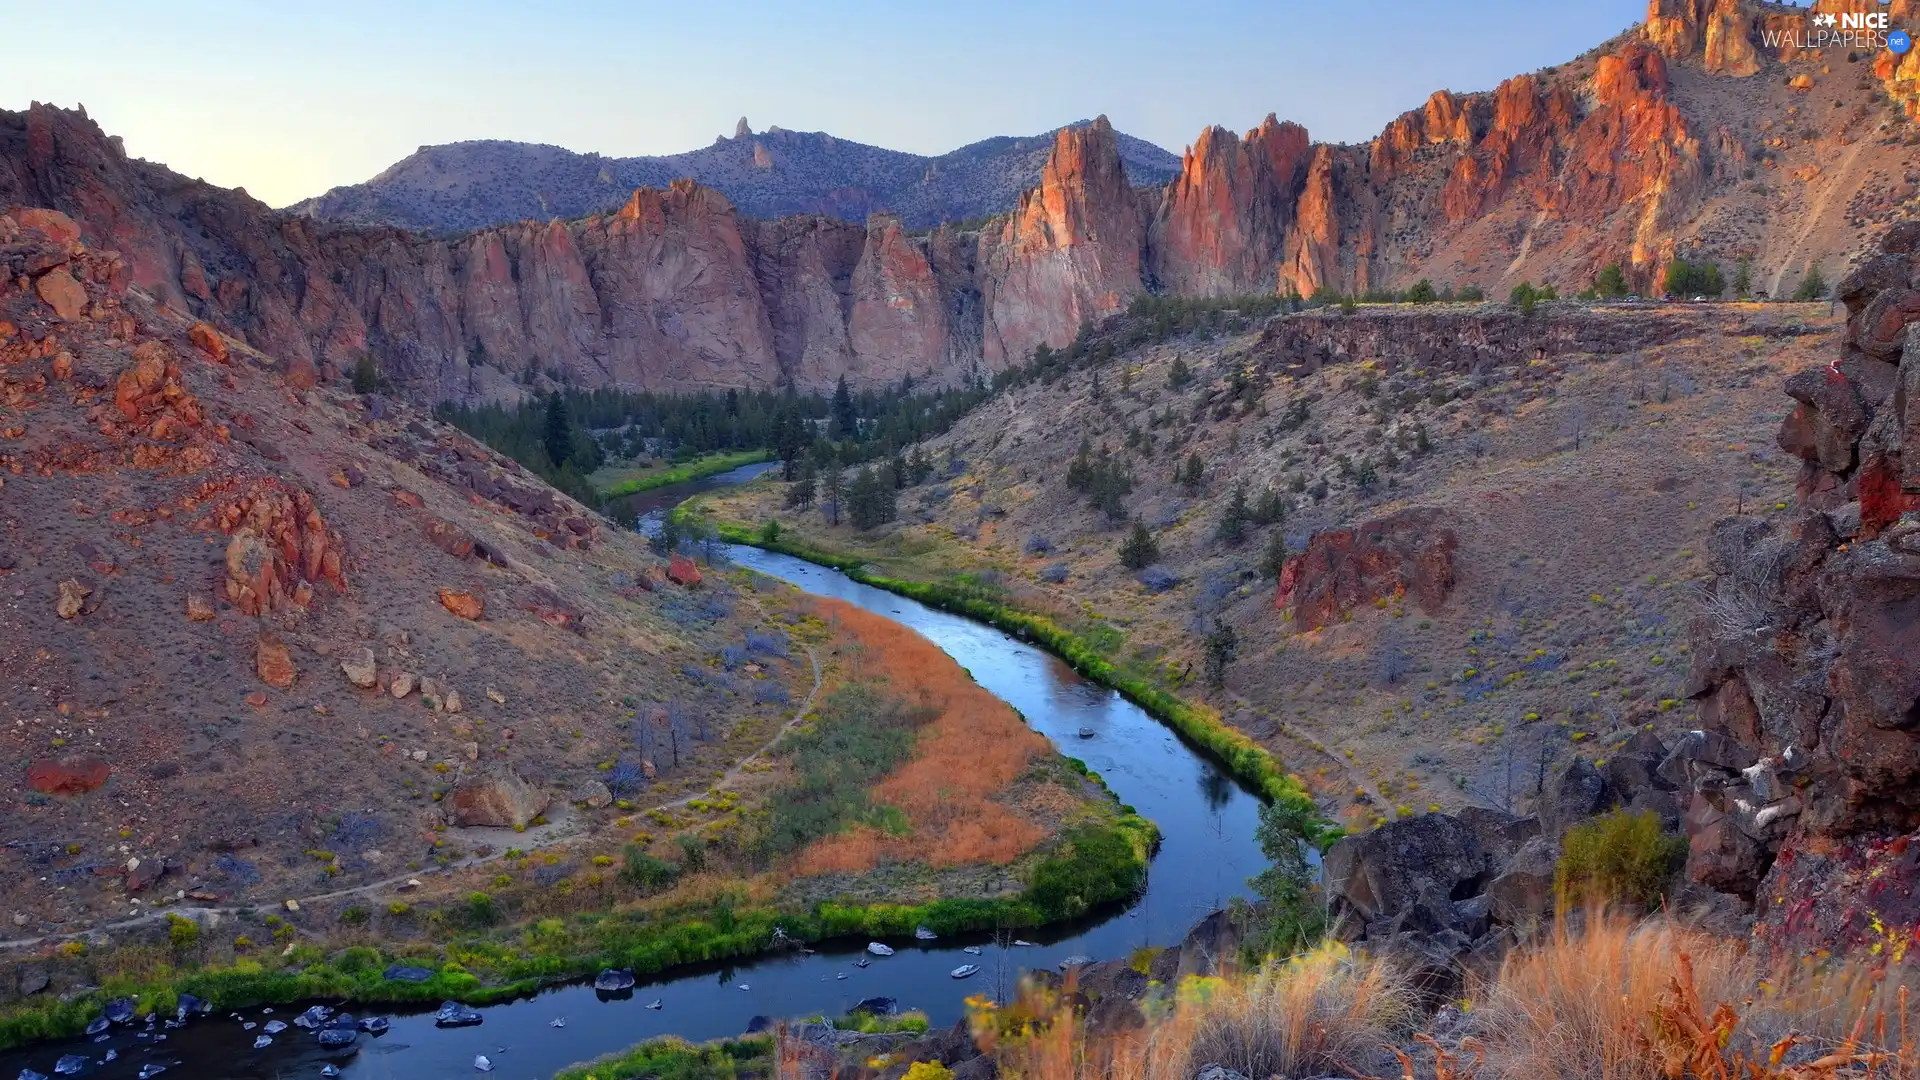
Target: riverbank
point(1203, 726)
point(548, 918)
point(1099, 866)
point(613, 482)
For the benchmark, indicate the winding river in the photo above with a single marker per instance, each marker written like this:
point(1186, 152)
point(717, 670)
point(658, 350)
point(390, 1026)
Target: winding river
point(1206, 818)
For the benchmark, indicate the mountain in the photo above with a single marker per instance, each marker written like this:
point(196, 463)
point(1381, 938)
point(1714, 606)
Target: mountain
point(1705, 132)
point(776, 172)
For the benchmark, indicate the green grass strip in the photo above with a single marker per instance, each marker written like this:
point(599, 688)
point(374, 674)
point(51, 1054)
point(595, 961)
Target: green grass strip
point(671, 1058)
point(698, 469)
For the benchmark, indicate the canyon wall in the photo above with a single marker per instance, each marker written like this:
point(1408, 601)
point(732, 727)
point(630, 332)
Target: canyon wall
point(1546, 177)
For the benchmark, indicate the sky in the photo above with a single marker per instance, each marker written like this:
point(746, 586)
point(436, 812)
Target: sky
point(288, 100)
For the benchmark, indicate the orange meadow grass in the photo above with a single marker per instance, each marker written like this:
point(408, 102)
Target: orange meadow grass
point(974, 749)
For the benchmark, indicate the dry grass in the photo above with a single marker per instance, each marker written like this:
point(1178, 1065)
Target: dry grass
point(1620, 1001)
point(1617, 1000)
point(964, 762)
point(1322, 1012)
point(1326, 1012)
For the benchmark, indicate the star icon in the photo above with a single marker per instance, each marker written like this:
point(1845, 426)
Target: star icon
point(1823, 19)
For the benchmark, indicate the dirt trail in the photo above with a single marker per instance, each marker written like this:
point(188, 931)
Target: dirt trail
point(561, 832)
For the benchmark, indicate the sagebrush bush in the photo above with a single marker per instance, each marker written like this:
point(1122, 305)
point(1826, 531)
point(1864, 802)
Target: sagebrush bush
point(1622, 856)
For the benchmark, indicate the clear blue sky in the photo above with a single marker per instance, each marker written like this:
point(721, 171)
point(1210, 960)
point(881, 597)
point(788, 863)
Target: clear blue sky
point(289, 99)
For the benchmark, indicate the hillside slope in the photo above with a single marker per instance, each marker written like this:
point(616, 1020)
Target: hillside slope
point(243, 617)
point(1494, 524)
point(767, 174)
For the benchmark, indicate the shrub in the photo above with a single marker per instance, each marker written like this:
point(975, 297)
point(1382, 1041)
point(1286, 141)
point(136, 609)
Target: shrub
point(1620, 856)
point(647, 873)
point(927, 1070)
point(1054, 573)
point(481, 910)
point(182, 933)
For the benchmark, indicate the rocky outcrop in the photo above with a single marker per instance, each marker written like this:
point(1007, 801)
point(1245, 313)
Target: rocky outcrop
point(1445, 892)
point(1410, 552)
point(1457, 341)
point(1806, 660)
point(1221, 228)
point(1720, 31)
point(1069, 255)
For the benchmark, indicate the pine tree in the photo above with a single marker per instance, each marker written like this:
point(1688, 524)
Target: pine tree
point(557, 437)
point(870, 500)
point(1743, 278)
point(845, 424)
point(1273, 558)
point(800, 493)
point(1233, 520)
point(366, 376)
point(1269, 508)
point(1193, 474)
point(1611, 282)
point(833, 489)
point(1221, 645)
point(1813, 286)
point(1139, 551)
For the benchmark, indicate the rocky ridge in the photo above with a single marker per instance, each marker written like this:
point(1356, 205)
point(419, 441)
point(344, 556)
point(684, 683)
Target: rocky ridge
point(767, 174)
point(1687, 134)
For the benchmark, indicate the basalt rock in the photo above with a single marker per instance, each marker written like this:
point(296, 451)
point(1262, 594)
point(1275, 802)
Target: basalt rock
point(1806, 659)
point(1410, 552)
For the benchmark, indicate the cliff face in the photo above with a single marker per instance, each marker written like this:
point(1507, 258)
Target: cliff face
point(1806, 665)
point(1070, 254)
point(1655, 143)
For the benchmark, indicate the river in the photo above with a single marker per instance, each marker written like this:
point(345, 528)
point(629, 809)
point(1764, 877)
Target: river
point(1206, 819)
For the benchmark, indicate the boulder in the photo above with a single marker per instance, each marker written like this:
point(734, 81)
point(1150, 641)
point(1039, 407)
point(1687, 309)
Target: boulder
point(72, 599)
point(209, 342)
point(1523, 890)
point(1209, 947)
point(464, 604)
point(1721, 855)
point(497, 798)
point(592, 794)
point(67, 297)
point(360, 668)
point(1384, 872)
point(1407, 553)
point(1575, 791)
point(74, 777)
point(1500, 834)
point(273, 662)
point(681, 571)
point(199, 608)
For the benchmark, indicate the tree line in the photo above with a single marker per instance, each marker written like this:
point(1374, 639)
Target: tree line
point(565, 435)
